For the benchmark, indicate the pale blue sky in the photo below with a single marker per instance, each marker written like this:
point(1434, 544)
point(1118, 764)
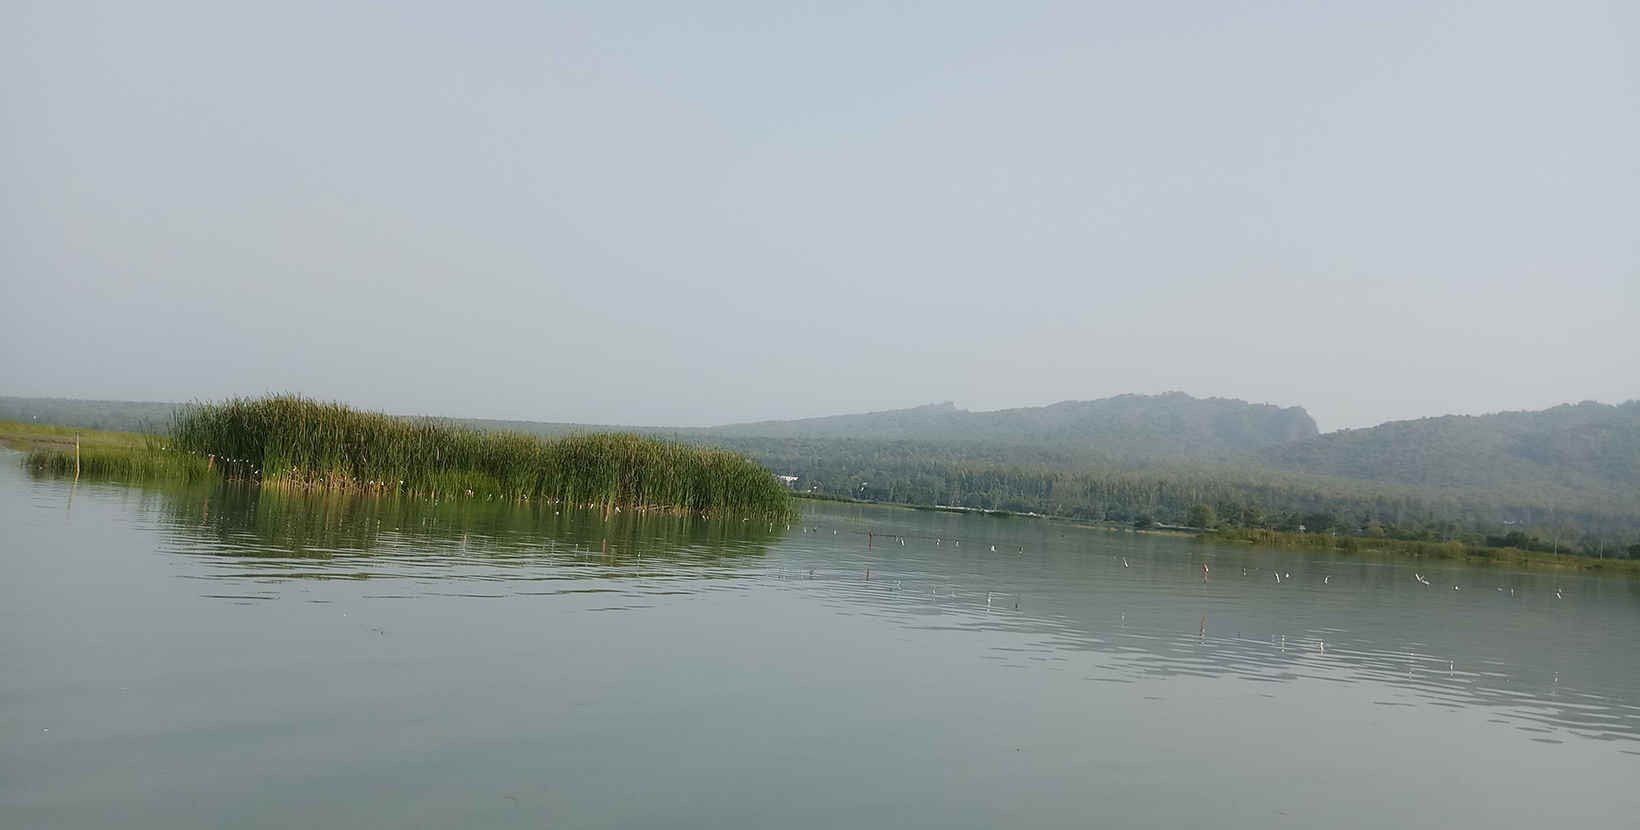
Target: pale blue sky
point(686, 214)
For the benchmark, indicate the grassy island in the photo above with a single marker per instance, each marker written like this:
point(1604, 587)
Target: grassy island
point(295, 443)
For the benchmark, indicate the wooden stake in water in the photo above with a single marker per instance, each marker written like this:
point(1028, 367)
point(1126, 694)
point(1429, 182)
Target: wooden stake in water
point(76, 486)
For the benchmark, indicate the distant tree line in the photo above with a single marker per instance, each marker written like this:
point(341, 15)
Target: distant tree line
point(1207, 497)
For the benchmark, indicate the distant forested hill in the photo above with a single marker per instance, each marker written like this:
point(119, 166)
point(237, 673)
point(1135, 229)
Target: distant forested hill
point(1131, 456)
point(1128, 428)
point(1586, 453)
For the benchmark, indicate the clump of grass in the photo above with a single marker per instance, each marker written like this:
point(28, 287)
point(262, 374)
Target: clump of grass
point(127, 456)
point(134, 465)
point(294, 442)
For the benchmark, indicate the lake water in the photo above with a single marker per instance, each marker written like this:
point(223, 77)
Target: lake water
point(218, 659)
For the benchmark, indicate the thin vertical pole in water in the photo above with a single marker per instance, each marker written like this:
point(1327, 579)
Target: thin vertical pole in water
point(76, 486)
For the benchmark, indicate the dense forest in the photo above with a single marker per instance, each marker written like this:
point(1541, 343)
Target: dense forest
point(1566, 477)
point(1582, 457)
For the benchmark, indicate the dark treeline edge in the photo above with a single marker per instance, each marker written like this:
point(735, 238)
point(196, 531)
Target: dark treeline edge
point(915, 474)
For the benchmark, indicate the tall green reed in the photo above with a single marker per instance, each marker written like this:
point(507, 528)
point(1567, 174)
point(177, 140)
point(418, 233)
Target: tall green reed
point(296, 442)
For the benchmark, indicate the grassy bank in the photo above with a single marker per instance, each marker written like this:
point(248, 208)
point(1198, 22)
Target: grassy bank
point(295, 443)
point(123, 456)
point(1454, 551)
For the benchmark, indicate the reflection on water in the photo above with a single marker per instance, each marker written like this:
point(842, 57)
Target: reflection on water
point(1553, 653)
point(245, 521)
point(925, 579)
point(519, 548)
point(882, 634)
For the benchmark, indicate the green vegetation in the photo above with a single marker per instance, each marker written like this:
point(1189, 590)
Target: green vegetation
point(1201, 515)
point(22, 436)
point(1570, 474)
point(1582, 458)
point(917, 473)
point(294, 443)
point(1450, 550)
point(126, 456)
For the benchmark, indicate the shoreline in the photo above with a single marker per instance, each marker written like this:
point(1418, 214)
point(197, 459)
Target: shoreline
point(1452, 552)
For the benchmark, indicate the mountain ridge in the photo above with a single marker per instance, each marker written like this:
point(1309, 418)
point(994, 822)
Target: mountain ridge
point(1130, 427)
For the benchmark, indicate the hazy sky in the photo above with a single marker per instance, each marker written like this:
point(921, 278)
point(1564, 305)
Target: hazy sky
point(698, 213)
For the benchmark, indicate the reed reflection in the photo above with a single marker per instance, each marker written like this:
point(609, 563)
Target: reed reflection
point(256, 523)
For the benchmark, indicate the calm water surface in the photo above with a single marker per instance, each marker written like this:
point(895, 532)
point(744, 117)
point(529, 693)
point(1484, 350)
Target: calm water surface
point(222, 659)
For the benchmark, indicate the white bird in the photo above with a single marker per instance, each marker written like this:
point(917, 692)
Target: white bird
point(1326, 580)
point(1124, 562)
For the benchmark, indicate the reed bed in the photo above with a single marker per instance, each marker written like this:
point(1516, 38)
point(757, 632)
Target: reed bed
point(134, 465)
point(293, 442)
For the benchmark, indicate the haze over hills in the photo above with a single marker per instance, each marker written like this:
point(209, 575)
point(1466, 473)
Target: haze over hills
point(1118, 457)
point(1588, 452)
point(1583, 456)
point(117, 416)
point(1130, 428)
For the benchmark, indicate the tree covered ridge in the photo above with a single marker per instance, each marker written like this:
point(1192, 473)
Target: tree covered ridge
point(1588, 452)
point(1569, 472)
